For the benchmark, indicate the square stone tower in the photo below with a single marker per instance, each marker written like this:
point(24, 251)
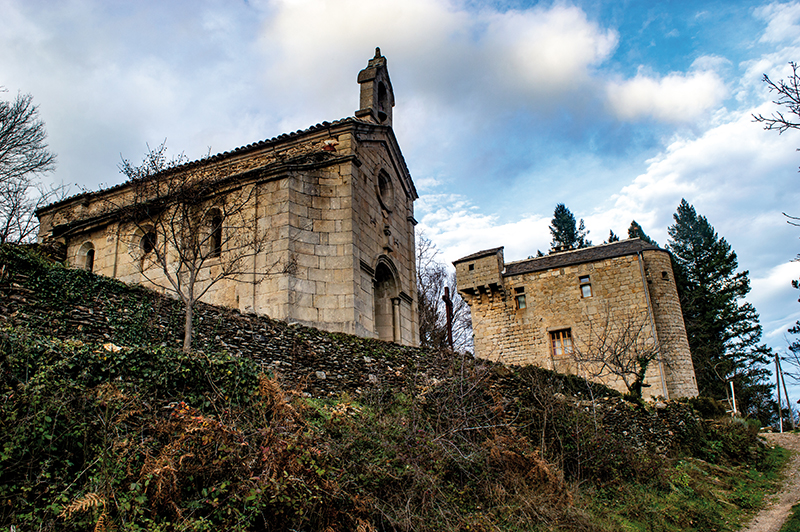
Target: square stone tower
point(590, 312)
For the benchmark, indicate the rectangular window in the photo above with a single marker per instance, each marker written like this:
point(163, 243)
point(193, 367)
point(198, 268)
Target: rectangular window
point(471, 267)
point(519, 298)
point(562, 343)
point(586, 286)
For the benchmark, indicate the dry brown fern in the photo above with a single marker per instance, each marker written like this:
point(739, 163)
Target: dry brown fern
point(364, 526)
point(104, 524)
point(90, 500)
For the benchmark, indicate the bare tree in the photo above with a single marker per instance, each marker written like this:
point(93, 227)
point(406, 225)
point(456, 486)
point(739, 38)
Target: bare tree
point(23, 157)
point(195, 227)
point(618, 345)
point(787, 95)
point(432, 278)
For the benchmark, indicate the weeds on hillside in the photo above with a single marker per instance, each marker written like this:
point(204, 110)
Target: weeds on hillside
point(98, 436)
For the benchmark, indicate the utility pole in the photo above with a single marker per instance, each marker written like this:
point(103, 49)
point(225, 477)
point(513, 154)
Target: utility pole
point(733, 398)
point(785, 392)
point(778, 386)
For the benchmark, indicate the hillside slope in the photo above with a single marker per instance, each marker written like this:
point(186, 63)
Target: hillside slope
point(107, 425)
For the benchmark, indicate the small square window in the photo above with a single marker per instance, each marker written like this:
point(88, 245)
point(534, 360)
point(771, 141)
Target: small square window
point(519, 290)
point(664, 275)
point(471, 267)
point(586, 286)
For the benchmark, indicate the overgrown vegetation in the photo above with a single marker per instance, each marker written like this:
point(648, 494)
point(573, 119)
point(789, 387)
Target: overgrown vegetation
point(793, 524)
point(109, 434)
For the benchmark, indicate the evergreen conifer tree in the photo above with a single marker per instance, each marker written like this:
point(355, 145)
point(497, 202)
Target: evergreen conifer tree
point(635, 231)
point(723, 332)
point(565, 233)
point(612, 237)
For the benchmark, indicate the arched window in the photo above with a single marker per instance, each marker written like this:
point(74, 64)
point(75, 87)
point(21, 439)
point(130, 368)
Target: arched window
point(86, 256)
point(214, 218)
point(148, 242)
point(383, 103)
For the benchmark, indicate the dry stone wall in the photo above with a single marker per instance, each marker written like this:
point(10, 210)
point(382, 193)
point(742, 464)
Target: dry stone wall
point(80, 306)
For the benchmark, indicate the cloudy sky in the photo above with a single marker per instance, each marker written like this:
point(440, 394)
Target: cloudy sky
point(617, 108)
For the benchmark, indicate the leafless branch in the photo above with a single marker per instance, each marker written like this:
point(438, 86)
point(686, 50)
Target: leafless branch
point(432, 278)
point(195, 227)
point(23, 157)
point(619, 345)
point(788, 95)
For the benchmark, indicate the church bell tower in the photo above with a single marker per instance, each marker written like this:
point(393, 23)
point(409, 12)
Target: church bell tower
point(377, 96)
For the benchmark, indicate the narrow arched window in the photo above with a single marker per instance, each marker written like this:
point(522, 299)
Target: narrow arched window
point(86, 256)
point(89, 260)
point(383, 104)
point(215, 237)
point(148, 242)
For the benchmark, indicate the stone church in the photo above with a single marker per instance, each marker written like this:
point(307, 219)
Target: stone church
point(332, 204)
point(565, 311)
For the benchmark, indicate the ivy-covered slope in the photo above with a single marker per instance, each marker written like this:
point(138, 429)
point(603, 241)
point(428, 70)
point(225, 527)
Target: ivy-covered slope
point(107, 425)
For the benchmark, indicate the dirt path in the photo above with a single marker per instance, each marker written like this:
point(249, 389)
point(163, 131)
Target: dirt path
point(771, 518)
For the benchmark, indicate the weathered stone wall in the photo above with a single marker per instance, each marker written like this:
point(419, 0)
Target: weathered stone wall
point(383, 231)
point(554, 302)
point(671, 330)
point(79, 306)
point(632, 295)
point(316, 201)
point(481, 273)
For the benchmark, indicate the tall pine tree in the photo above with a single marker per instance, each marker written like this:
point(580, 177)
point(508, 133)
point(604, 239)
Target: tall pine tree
point(723, 331)
point(635, 231)
point(566, 233)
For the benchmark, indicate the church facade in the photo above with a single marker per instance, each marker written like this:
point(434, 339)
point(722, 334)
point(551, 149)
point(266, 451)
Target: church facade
point(330, 208)
point(589, 312)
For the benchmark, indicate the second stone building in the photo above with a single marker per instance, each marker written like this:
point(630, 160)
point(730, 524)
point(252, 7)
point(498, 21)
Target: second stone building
point(599, 312)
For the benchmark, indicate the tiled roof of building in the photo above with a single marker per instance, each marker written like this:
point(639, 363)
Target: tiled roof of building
point(224, 155)
point(578, 256)
point(478, 255)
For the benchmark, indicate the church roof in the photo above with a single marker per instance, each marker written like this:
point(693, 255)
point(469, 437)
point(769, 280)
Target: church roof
point(241, 150)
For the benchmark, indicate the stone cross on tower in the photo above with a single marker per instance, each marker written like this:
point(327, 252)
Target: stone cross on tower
point(377, 96)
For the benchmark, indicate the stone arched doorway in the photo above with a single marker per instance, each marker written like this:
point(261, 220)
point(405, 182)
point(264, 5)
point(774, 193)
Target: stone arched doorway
point(387, 304)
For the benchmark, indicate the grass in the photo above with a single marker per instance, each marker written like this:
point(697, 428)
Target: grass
point(793, 524)
point(694, 495)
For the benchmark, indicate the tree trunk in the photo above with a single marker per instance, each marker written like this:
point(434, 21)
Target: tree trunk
point(187, 327)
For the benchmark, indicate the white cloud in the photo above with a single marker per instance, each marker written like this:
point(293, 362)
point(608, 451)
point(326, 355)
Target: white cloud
point(455, 52)
point(736, 174)
point(547, 50)
point(454, 225)
point(783, 22)
point(677, 97)
point(773, 296)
